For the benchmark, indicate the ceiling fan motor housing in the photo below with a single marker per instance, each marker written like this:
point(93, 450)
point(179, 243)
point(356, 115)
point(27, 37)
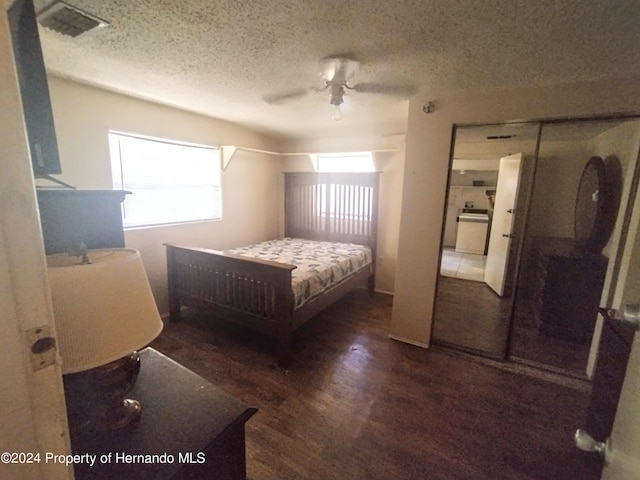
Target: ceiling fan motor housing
point(338, 70)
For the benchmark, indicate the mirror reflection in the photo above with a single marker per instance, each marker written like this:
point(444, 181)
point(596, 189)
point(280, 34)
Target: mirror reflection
point(567, 246)
point(489, 180)
point(514, 282)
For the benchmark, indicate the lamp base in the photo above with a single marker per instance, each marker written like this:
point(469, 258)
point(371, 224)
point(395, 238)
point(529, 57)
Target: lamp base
point(95, 398)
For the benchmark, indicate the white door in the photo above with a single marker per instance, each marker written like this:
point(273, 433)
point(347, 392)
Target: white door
point(502, 225)
point(32, 405)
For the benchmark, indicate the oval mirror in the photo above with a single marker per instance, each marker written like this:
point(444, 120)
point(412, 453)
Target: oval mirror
point(596, 203)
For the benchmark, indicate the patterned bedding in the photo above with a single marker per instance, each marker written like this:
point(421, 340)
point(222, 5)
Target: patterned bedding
point(320, 265)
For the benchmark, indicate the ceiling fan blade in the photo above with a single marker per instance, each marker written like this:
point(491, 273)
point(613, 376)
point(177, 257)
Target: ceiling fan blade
point(282, 97)
point(384, 89)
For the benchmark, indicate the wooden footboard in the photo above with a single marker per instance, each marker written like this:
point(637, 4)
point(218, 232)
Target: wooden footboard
point(257, 293)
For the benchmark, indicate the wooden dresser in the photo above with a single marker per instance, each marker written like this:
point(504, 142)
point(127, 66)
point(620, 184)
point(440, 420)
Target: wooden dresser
point(567, 284)
point(189, 429)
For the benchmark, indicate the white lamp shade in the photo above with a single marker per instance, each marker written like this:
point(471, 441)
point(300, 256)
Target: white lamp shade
point(103, 310)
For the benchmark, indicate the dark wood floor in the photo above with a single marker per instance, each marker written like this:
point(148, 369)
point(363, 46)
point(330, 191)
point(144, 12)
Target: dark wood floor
point(357, 405)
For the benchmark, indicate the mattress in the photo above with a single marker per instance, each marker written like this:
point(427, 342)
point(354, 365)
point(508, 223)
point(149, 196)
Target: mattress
point(319, 265)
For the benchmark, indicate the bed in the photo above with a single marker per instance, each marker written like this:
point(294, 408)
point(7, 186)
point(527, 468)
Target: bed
point(260, 286)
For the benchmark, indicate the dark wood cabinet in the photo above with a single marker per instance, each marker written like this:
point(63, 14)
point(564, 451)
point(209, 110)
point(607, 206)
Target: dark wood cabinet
point(69, 217)
point(189, 428)
point(567, 284)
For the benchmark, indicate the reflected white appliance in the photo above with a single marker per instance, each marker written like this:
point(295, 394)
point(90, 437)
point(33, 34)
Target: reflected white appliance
point(472, 232)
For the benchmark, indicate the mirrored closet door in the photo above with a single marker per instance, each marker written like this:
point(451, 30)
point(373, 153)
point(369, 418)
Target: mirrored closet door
point(526, 238)
point(581, 172)
point(489, 182)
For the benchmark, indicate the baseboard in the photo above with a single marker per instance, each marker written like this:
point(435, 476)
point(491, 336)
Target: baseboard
point(384, 292)
point(409, 341)
point(520, 368)
point(166, 316)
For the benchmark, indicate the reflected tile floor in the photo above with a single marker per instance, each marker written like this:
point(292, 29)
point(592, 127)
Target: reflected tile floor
point(466, 266)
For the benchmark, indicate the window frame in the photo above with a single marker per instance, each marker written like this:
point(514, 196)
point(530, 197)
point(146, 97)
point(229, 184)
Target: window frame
point(212, 189)
point(350, 157)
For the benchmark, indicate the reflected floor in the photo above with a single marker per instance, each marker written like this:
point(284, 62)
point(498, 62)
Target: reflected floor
point(469, 315)
point(531, 346)
point(464, 266)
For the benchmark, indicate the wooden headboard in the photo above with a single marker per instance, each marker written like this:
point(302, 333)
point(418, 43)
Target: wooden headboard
point(335, 207)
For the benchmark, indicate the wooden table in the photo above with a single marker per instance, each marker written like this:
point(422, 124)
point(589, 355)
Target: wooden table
point(194, 430)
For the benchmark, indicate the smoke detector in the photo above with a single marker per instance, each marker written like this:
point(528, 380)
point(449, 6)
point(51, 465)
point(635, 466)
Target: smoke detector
point(69, 20)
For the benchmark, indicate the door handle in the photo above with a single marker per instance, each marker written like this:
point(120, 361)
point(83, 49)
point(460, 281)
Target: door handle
point(630, 314)
point(507, 235)
point(587, 443)
point(510, 210)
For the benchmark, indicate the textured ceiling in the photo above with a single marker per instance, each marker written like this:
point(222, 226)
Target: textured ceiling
point(220, 58)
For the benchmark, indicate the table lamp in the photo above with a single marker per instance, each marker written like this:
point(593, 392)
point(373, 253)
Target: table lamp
point(104, 313)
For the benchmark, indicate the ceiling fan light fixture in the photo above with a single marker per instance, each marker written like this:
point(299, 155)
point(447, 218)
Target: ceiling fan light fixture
point(336, 114)
point(337, 94)
point(337, 99)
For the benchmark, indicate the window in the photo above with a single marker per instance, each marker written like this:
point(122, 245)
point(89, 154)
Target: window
point(346, 162)
point(348, 204)
point(170, 182)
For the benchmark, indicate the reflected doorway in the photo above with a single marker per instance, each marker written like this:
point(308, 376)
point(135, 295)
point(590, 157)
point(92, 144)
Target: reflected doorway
point(520, 325)
point(472, 310)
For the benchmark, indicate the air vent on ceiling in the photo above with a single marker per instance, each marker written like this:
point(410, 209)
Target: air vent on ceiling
point(69, 20)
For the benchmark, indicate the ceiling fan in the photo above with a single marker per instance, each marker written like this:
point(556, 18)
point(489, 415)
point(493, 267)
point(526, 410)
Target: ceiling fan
point(336, 72)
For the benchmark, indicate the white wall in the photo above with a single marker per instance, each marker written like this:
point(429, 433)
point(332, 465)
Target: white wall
point(426, 164)
point(84, 115)
point(558, 173)
point(392, 168)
